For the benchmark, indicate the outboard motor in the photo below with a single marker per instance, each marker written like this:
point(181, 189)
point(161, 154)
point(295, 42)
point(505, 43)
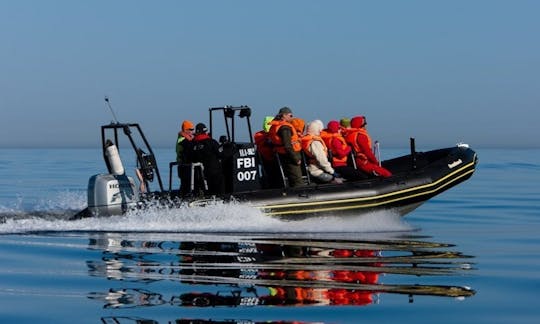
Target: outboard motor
point(113, 193)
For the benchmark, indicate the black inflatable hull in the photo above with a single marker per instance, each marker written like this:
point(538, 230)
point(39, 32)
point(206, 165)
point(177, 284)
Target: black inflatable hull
point(416, 178)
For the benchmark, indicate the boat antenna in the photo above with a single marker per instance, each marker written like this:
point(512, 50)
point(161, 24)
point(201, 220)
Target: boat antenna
point(110, 108)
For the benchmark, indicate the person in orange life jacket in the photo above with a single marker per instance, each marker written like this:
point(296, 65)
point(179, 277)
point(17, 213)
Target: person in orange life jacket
point(287, 145)
point(317, 153)
point(183, 141)
point(360, 141)
point(266, 151)
point(340, 152)
point(206, 150)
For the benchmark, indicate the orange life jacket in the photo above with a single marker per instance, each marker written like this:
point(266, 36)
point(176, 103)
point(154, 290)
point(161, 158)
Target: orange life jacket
point(276, 139)
point(326, 137)
point(352, 139)
point(306, 143)
point(264, 146)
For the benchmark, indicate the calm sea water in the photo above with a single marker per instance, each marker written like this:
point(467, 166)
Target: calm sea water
point(469, 255)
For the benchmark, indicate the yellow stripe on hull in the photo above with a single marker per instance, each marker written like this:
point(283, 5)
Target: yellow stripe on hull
point(439, 184)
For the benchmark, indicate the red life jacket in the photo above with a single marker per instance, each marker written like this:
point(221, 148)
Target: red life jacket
point(352, 139)
point(339, 161)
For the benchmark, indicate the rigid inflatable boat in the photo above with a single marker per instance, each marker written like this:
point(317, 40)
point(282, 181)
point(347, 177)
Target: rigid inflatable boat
point(417, 177)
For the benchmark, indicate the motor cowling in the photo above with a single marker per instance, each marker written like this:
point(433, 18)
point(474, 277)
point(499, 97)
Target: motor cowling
point(110, 194)
point(113, 193)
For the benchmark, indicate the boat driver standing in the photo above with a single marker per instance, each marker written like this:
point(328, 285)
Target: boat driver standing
point(206, 150)
point(287, 144)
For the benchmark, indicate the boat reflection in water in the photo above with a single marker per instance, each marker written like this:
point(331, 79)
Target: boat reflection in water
point(233, 271)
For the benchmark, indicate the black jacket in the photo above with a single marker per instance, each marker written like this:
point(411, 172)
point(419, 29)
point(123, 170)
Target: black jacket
point(206, 150)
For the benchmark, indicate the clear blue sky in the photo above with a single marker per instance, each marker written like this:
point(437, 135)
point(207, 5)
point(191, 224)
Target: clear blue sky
point(439, 71)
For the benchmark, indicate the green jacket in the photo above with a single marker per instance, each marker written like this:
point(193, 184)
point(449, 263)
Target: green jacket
point(180, 149)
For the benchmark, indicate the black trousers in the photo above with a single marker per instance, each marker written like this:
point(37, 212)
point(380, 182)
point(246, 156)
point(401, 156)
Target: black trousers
point(184, 173)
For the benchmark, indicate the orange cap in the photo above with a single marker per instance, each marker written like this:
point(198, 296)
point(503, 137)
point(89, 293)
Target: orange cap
point(187, 125)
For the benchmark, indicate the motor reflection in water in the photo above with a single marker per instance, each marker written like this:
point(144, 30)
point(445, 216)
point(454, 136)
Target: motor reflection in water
point(222, 271)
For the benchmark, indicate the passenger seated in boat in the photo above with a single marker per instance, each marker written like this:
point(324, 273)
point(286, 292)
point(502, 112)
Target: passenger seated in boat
point(316, 151)
point(206, 150)
point(266, 153)
point(360, 141)
point(340, 151)
point(287, 145)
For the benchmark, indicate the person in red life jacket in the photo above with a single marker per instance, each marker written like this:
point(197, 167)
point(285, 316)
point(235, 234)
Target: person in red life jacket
point(183, 141)
point(360, 141)
point(266, 151)
point(206, 150)
point(317, 154)
point(287, 145)
point(340, 151)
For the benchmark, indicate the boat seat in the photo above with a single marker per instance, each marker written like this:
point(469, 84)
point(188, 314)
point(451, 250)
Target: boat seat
point(171, 165)
point(197, 177)
point(303, 166)
point(305, 172)
point(351, 159)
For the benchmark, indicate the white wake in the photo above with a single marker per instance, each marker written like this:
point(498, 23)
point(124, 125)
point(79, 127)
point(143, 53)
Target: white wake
point(231, 217)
